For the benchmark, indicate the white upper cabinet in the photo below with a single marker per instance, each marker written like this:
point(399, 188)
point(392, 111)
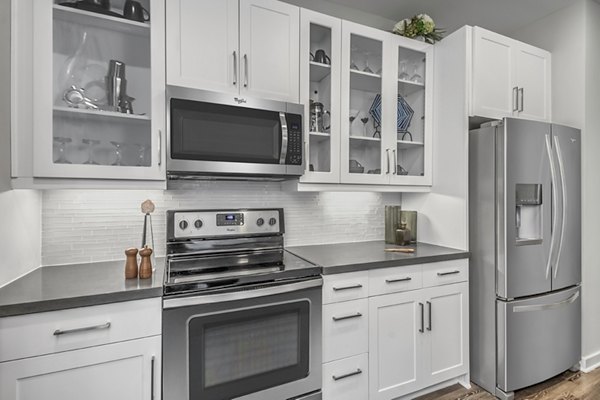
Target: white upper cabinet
point(202, 44)
point(100, 133)
point(510, 78)
point(250, 47)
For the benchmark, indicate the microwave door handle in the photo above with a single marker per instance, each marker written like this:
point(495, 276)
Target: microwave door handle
point(284, 138)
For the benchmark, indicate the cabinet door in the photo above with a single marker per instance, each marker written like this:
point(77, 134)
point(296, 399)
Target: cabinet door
point(320, 34)
point(202, 44)
point(396, 334)
point(494, 87)
point(532, 70)
point(122, 371)
point(410, 139)
point(447, 332)
point(269, 50)
point(80, 130)
point(366, 107)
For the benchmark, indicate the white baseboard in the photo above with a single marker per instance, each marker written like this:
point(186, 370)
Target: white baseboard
point(590, 362)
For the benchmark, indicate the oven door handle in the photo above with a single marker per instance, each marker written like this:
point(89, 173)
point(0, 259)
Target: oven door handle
point(241, 295)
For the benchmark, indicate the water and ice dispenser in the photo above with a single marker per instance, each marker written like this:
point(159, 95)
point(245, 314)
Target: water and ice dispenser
point(528, 213)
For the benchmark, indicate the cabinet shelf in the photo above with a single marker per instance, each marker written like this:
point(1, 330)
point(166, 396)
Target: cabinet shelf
point(407, 144)
point(408, 87)
point(318, 71)
point(318, 137)
point(101, 115)
point(88, 18)
point(365, 81)
point(365, 138)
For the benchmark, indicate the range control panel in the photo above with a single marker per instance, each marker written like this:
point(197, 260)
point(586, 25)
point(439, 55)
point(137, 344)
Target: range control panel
point(198, 224)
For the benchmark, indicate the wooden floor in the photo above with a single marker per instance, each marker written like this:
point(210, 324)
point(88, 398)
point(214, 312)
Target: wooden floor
point(567, 386)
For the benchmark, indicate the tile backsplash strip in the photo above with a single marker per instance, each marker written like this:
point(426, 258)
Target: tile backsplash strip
point(93, 225)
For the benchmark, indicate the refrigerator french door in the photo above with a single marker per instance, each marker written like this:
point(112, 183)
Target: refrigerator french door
point(526, 253)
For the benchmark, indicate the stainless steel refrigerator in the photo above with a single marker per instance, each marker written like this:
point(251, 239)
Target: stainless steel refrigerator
point(525, 240)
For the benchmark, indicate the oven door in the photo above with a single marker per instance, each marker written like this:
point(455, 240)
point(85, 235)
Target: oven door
point(220, 134)
point(256, 344)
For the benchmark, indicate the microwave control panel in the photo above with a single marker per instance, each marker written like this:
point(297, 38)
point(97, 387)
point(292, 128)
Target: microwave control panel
point(294, 147)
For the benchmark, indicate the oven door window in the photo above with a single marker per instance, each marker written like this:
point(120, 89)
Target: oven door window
point(240, 352)
point(214, 132)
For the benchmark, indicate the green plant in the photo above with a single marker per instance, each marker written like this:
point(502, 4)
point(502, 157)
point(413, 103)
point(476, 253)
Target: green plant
point(420, 25)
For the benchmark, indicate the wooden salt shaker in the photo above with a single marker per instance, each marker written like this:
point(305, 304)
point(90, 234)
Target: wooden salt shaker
point(131, 267)
point(146, 264)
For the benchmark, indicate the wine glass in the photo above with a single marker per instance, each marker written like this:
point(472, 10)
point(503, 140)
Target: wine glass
point(367, 69)
point(118, 153)
point(90, 143)
point(62, 149)
point(416, 78)
point(141, 154)
point(353, 52)
point(364, 120)
point(403, 74)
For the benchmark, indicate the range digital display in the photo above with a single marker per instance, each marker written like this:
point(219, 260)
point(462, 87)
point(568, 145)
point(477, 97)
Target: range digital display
point(230, 217)
point(233, 219)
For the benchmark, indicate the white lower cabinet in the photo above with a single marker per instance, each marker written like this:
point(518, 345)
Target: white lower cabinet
point(416, 336)
point(347, 379)
point(127, 370)
point(109, 351)
point(417, 339)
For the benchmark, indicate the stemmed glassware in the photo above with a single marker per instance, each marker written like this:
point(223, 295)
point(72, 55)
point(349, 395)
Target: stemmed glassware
point(416, 78)
point(353, 52)
point(403, 74)
point(367, 69)
point(364, 120)
point(62, 149)
point(91, 143)
point(118, 153)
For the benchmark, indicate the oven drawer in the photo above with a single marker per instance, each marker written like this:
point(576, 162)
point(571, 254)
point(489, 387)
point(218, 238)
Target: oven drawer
point(344, 287)
point(392, 280)
point(446, 272)
point(345, 329)
point(347, 379)
point(54, 331)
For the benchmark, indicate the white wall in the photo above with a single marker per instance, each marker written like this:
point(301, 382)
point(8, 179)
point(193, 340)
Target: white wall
point(20, 219)
point(572, 36)
point(84, 226)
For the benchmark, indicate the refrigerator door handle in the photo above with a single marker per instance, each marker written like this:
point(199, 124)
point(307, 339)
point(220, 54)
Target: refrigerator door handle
point(561, 169)
point(554, 202)
point(544, 307)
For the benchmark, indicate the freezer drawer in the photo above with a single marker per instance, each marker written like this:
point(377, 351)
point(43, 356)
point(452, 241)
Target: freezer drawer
point(538, 338)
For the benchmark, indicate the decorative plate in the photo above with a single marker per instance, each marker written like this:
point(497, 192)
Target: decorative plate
point(404, 112)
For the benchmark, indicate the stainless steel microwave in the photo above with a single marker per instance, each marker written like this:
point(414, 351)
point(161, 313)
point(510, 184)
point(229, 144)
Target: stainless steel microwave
point(211, 135)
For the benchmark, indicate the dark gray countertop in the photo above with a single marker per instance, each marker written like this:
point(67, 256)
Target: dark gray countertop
point(77, 285)
point(357, 256)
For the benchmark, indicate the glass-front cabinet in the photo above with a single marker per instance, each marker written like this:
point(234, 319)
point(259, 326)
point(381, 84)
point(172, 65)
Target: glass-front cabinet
point(368, 99)
point(98, 90)
point(320, 57)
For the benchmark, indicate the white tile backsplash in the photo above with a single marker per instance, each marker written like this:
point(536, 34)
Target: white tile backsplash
point(95, 225)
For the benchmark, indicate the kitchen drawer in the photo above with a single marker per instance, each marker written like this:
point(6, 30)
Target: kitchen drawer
point(344, 287)
point(345, 329)
point(346, 379)
point(54, 331)
point(446, 272)
point(396, 279)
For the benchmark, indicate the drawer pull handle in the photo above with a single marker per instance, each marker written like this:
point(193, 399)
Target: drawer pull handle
point(348, 375)
point(398, 280)
point(448, 273)
point(357, 286)
point(357, 315)
point(59, 332)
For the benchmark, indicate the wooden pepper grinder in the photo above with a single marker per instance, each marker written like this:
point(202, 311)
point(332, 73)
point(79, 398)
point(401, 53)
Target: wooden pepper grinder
point(146, 264)
point(131, 267)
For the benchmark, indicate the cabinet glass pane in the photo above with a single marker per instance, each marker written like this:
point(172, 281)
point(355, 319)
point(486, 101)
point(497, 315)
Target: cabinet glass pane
point(410, 113)
point(101, 113)
point(319, 124)
point(365, 106)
